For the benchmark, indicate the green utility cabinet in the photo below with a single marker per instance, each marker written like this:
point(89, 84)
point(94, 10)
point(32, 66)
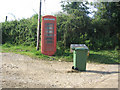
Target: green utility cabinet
point(80, 55)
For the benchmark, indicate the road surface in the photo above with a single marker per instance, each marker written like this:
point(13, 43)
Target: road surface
point(20, 71)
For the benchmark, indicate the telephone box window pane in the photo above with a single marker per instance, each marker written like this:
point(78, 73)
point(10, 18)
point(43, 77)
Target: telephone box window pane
point(49, 41)
point(50, 27)
point(50, 31)
point(49, 38)
point(49, 34)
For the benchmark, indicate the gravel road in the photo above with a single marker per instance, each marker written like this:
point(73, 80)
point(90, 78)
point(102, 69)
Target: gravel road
point(19, 71)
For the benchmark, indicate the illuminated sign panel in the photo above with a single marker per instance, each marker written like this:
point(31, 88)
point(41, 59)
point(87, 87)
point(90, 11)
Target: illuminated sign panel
point(49, 19)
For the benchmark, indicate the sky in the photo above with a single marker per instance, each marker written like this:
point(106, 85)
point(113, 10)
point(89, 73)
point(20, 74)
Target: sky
point(19, 9)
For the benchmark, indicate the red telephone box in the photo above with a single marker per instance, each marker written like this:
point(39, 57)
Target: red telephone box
point(48, 35)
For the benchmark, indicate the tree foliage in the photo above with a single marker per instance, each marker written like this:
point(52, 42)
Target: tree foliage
point(74, 26)
point(105, 24)
point(99, 32)
point(20, 32)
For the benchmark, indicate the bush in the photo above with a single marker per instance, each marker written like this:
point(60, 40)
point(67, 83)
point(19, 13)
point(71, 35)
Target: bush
point(20, 32)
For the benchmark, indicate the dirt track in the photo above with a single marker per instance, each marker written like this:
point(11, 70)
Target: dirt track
point(22, 71)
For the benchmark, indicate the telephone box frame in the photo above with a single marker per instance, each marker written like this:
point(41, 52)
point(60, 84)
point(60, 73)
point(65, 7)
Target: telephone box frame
point(48, 35)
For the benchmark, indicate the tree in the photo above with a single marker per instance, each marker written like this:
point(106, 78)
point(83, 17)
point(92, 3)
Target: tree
point(73, 26)
point(106, 25)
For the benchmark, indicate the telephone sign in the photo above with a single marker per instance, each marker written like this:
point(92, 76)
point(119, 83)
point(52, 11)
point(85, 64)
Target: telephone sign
point(48, 35)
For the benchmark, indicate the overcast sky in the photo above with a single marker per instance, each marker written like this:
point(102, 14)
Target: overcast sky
point(26, 8)
point(18, 9)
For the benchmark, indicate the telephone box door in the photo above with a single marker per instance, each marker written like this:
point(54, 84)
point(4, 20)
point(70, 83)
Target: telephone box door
point(48, 35)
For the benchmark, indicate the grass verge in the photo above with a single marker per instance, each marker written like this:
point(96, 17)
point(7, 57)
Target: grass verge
point(102, 56)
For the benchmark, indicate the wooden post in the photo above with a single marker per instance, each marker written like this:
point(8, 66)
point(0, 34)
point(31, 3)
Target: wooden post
point(6, 18)
point(39, 27)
